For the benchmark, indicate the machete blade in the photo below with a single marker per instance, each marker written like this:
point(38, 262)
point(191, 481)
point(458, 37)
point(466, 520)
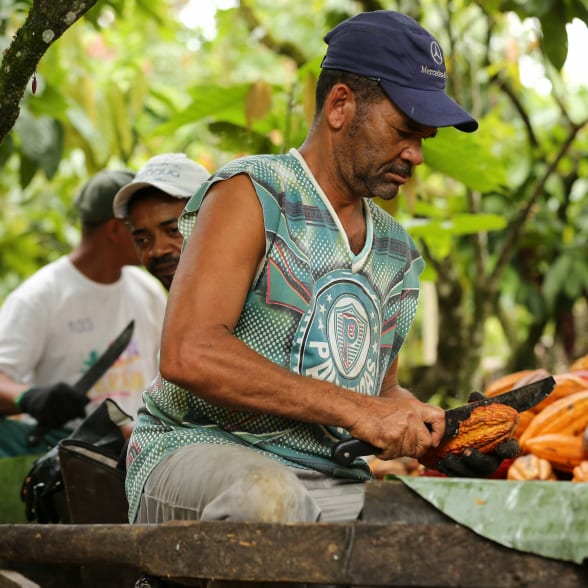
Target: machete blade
point(520, 399)
point(108, 357)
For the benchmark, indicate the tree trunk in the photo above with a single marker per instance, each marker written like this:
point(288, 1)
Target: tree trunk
point(46, 21)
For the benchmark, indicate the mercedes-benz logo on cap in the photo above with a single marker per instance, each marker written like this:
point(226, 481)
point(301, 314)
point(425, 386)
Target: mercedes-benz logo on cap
point(436, 53)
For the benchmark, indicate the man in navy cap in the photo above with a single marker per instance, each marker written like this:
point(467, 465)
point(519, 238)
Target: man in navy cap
point(292, 299)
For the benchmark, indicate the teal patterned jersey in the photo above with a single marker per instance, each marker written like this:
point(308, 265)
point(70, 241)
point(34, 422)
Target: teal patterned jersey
point(314, 307)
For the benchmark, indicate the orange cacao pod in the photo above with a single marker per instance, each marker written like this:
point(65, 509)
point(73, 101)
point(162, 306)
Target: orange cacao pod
point(564, 452)
point(565, 385)
point(580, 364)
point(487, 426)
point(525, 419)
point(568, 416)
point(506, 382)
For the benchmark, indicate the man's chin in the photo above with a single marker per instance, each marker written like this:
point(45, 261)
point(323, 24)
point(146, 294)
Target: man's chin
point(388, 193)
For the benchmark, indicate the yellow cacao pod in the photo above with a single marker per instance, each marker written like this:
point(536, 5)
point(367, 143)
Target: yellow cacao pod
point(530, 467)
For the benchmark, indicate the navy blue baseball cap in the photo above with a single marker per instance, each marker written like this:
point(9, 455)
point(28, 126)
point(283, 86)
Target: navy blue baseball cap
point(406, 60)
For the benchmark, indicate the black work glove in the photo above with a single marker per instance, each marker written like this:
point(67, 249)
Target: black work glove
point(473, 463)
point(53, 406)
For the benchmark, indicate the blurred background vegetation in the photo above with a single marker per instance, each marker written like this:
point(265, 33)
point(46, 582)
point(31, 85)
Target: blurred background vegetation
point(500, 216)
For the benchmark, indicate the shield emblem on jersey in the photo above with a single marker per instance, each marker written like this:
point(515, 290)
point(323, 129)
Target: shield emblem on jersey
point(349, 335)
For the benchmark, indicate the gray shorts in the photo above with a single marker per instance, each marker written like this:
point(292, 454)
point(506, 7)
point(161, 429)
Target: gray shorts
point(231, 482)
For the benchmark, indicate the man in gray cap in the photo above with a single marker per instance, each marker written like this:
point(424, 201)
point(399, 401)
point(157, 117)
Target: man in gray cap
point(58, 321)
point(151, 204)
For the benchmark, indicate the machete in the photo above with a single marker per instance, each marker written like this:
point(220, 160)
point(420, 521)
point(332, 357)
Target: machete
point(92, 374)
point(521, 399)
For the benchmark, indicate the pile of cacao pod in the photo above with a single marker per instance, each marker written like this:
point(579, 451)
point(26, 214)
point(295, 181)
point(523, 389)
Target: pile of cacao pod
point(553, 435)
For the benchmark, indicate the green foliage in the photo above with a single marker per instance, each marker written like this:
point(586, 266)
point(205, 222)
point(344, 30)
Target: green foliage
point(467, 158)
point(130, 80)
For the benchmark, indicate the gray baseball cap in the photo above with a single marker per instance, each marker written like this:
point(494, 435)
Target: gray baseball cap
point(94, 202)
point(173, 173)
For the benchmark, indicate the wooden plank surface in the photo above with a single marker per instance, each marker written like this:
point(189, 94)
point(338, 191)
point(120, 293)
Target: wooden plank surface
point(402, 541)
point(359, 554)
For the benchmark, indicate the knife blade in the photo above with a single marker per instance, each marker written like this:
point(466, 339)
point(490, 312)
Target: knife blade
point(91, 375)
point(106, 359)
point(523, 398)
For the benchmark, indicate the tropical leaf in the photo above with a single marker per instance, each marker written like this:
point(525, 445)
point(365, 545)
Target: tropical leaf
point(468, 158)
point(463, 224)
point(530, 516)
point(555, 36)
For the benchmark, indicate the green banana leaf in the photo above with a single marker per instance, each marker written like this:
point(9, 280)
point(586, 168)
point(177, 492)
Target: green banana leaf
point(545, 518)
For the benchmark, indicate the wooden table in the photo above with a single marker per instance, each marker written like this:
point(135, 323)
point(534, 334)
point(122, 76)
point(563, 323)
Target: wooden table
point(401, 541)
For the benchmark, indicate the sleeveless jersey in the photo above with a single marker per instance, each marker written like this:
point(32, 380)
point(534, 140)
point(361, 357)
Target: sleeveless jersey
point(315, 308)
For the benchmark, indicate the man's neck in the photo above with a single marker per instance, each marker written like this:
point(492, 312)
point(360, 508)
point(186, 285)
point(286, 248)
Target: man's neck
point(95, 263)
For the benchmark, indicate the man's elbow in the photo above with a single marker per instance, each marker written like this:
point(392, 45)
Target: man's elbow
point(178, 366)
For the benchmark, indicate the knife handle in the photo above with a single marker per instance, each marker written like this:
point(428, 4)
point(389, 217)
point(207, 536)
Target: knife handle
point(345, 452)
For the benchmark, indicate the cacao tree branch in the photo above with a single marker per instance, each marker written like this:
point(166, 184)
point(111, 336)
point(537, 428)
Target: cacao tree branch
point(519, 222)
point(505, 87)
point(46, 21)
point(280, 48)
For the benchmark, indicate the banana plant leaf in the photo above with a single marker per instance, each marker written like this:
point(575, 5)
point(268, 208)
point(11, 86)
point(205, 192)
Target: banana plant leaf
point(545, 518)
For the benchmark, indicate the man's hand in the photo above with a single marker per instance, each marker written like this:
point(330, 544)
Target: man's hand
point(400, 425)
point(53, 406)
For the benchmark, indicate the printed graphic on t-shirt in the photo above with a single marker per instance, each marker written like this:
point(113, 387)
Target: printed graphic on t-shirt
point(124, 380)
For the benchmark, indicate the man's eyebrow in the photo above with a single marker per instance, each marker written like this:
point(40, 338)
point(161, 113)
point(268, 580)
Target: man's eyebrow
point(165, 223)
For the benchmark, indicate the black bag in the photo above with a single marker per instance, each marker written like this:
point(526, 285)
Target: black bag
point(43, 489)
point(94, 483)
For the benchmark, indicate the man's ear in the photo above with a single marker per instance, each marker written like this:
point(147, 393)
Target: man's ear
point(116, 228)
point(339, 105)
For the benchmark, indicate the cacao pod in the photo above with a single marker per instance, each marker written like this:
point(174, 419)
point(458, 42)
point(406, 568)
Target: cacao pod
point(580, 364)
point(525, 419)
point(507, 382)
point(580, 472)
point(530, 467)
point(568, 416)
point(565, 385)
point(485, 428)
point(564, 452)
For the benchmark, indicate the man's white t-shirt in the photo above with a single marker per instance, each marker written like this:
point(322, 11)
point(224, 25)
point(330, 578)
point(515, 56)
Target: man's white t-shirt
point(56, 324)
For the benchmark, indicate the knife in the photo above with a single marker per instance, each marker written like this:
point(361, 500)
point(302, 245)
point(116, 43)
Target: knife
point(108, 357)
point(91, 375)
point(521, 399)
